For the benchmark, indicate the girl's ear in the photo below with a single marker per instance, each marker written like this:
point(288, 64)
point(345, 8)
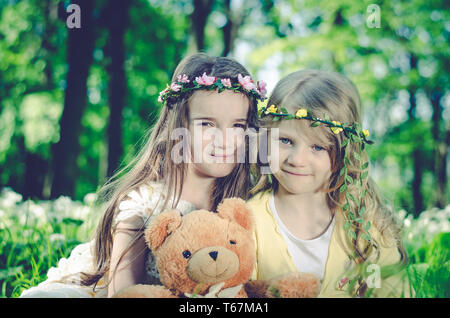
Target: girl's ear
point(235, 209)
point(161, 227)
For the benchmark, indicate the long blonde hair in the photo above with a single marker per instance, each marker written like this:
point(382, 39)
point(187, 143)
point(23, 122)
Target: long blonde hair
point(152, 163)
point(335, 95)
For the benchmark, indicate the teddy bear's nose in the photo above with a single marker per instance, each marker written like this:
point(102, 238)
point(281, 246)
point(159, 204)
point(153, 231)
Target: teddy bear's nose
point(213, 255)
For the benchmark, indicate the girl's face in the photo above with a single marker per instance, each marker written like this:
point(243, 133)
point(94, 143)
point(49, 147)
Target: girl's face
point(217, 123)
point(303, 164)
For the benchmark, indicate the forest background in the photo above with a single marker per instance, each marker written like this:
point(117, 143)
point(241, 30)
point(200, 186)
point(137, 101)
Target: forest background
point(79, 88)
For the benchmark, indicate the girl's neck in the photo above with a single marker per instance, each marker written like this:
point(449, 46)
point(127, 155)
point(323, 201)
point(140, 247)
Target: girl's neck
point(197, 189)
point(307, 215)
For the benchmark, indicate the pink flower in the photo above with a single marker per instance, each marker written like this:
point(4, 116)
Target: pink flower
point(246, 82)
point(205, 80)
point(183, 78)
point(162, 93)
point(226, 82)
point(342, 282)
point(262, 89)
point(175, 87)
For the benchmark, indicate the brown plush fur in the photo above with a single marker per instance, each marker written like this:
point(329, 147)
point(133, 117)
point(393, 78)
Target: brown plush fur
point(202, 249)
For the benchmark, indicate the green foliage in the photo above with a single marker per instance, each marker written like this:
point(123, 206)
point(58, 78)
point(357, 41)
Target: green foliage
point(431, 278)
point(34, 236)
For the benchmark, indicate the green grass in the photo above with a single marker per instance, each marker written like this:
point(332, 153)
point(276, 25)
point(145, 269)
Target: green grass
point(34, 236)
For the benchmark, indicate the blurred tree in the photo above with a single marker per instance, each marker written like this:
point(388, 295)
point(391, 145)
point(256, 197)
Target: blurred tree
point(199, 18)
point(116, 15)
point(80, 47)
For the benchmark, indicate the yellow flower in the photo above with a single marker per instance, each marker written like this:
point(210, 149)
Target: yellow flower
point(336, 130)
point(271, 110)
point(366, 133)
point(301, 113)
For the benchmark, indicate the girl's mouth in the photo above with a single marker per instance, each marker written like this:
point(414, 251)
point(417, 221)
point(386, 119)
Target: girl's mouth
point(298, 174)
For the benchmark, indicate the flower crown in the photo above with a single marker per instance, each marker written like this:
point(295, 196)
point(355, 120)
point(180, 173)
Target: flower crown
point(303, 113)
point(183, 85)
point(354, 134)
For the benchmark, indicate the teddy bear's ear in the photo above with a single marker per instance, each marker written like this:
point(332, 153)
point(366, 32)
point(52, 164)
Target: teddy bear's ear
point(236, 209)
point(161, 227)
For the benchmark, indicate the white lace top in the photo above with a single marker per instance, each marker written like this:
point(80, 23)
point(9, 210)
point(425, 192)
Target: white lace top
point(142, 204)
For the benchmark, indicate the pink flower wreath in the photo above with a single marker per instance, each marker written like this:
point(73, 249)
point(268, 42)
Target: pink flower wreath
point(244, 84)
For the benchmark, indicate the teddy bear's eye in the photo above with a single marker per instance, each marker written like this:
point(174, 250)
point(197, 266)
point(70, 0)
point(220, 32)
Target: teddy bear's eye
point(232, 242)
point(186, 254)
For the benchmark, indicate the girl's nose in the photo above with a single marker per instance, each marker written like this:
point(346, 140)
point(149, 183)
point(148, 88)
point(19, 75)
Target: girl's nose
point(225, 139)
point(298, 156)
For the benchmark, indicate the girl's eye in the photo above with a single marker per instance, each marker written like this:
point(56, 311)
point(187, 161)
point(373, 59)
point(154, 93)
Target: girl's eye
point(243, 126)
point(318, 148)
point(206, 124)
point(186, 254)
point(285, 141)
point(232, 242)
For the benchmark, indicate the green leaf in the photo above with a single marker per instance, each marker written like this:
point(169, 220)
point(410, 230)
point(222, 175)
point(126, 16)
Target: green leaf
point(352, 198)
point(347, 225)
point(363, 209)
point(366, 237)
point(366, 165)
point(344, 143)
point(348, 178)
point(352, 234)
point(364, 174)
point(315, 124)
point(343, 170)
point(347, 161)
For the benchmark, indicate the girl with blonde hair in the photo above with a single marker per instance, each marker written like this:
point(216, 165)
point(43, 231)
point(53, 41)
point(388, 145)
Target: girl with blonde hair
point(318, 210)
point(205, 93)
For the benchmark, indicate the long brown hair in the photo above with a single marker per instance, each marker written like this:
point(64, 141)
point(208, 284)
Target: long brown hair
point(152, 164)
point(335, 95)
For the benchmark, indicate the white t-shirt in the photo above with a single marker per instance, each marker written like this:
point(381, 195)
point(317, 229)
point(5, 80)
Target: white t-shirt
point(310, 256)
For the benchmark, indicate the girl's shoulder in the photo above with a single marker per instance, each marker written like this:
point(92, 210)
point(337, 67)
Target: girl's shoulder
point(259, 198)
point(140, 202)
point(146, 201)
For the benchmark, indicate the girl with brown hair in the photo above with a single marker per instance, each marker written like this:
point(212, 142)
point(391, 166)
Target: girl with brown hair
point(206, 94)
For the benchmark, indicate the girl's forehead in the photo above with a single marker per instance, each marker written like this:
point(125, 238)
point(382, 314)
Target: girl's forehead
point(301, 128)
point(212, 104)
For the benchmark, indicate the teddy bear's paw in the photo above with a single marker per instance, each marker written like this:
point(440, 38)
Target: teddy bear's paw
point(294, 285)
point(144, 291)
point(256, 288)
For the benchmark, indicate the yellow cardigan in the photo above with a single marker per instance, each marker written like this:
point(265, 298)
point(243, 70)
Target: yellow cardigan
point(273, 258)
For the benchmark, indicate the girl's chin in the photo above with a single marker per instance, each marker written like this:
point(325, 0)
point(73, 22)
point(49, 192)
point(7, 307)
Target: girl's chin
point(215, 170)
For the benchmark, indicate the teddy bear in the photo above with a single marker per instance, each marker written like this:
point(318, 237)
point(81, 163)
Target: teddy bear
point(208, 254)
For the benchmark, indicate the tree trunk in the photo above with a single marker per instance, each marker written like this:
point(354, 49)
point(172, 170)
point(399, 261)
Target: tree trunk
point(79, 59)
point(441, 149)
point(235, 19)
point(199, 18)
point(117, 21)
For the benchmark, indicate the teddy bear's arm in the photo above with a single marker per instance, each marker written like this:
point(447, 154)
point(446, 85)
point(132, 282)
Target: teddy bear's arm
point(145, 291)
point(294, 285)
